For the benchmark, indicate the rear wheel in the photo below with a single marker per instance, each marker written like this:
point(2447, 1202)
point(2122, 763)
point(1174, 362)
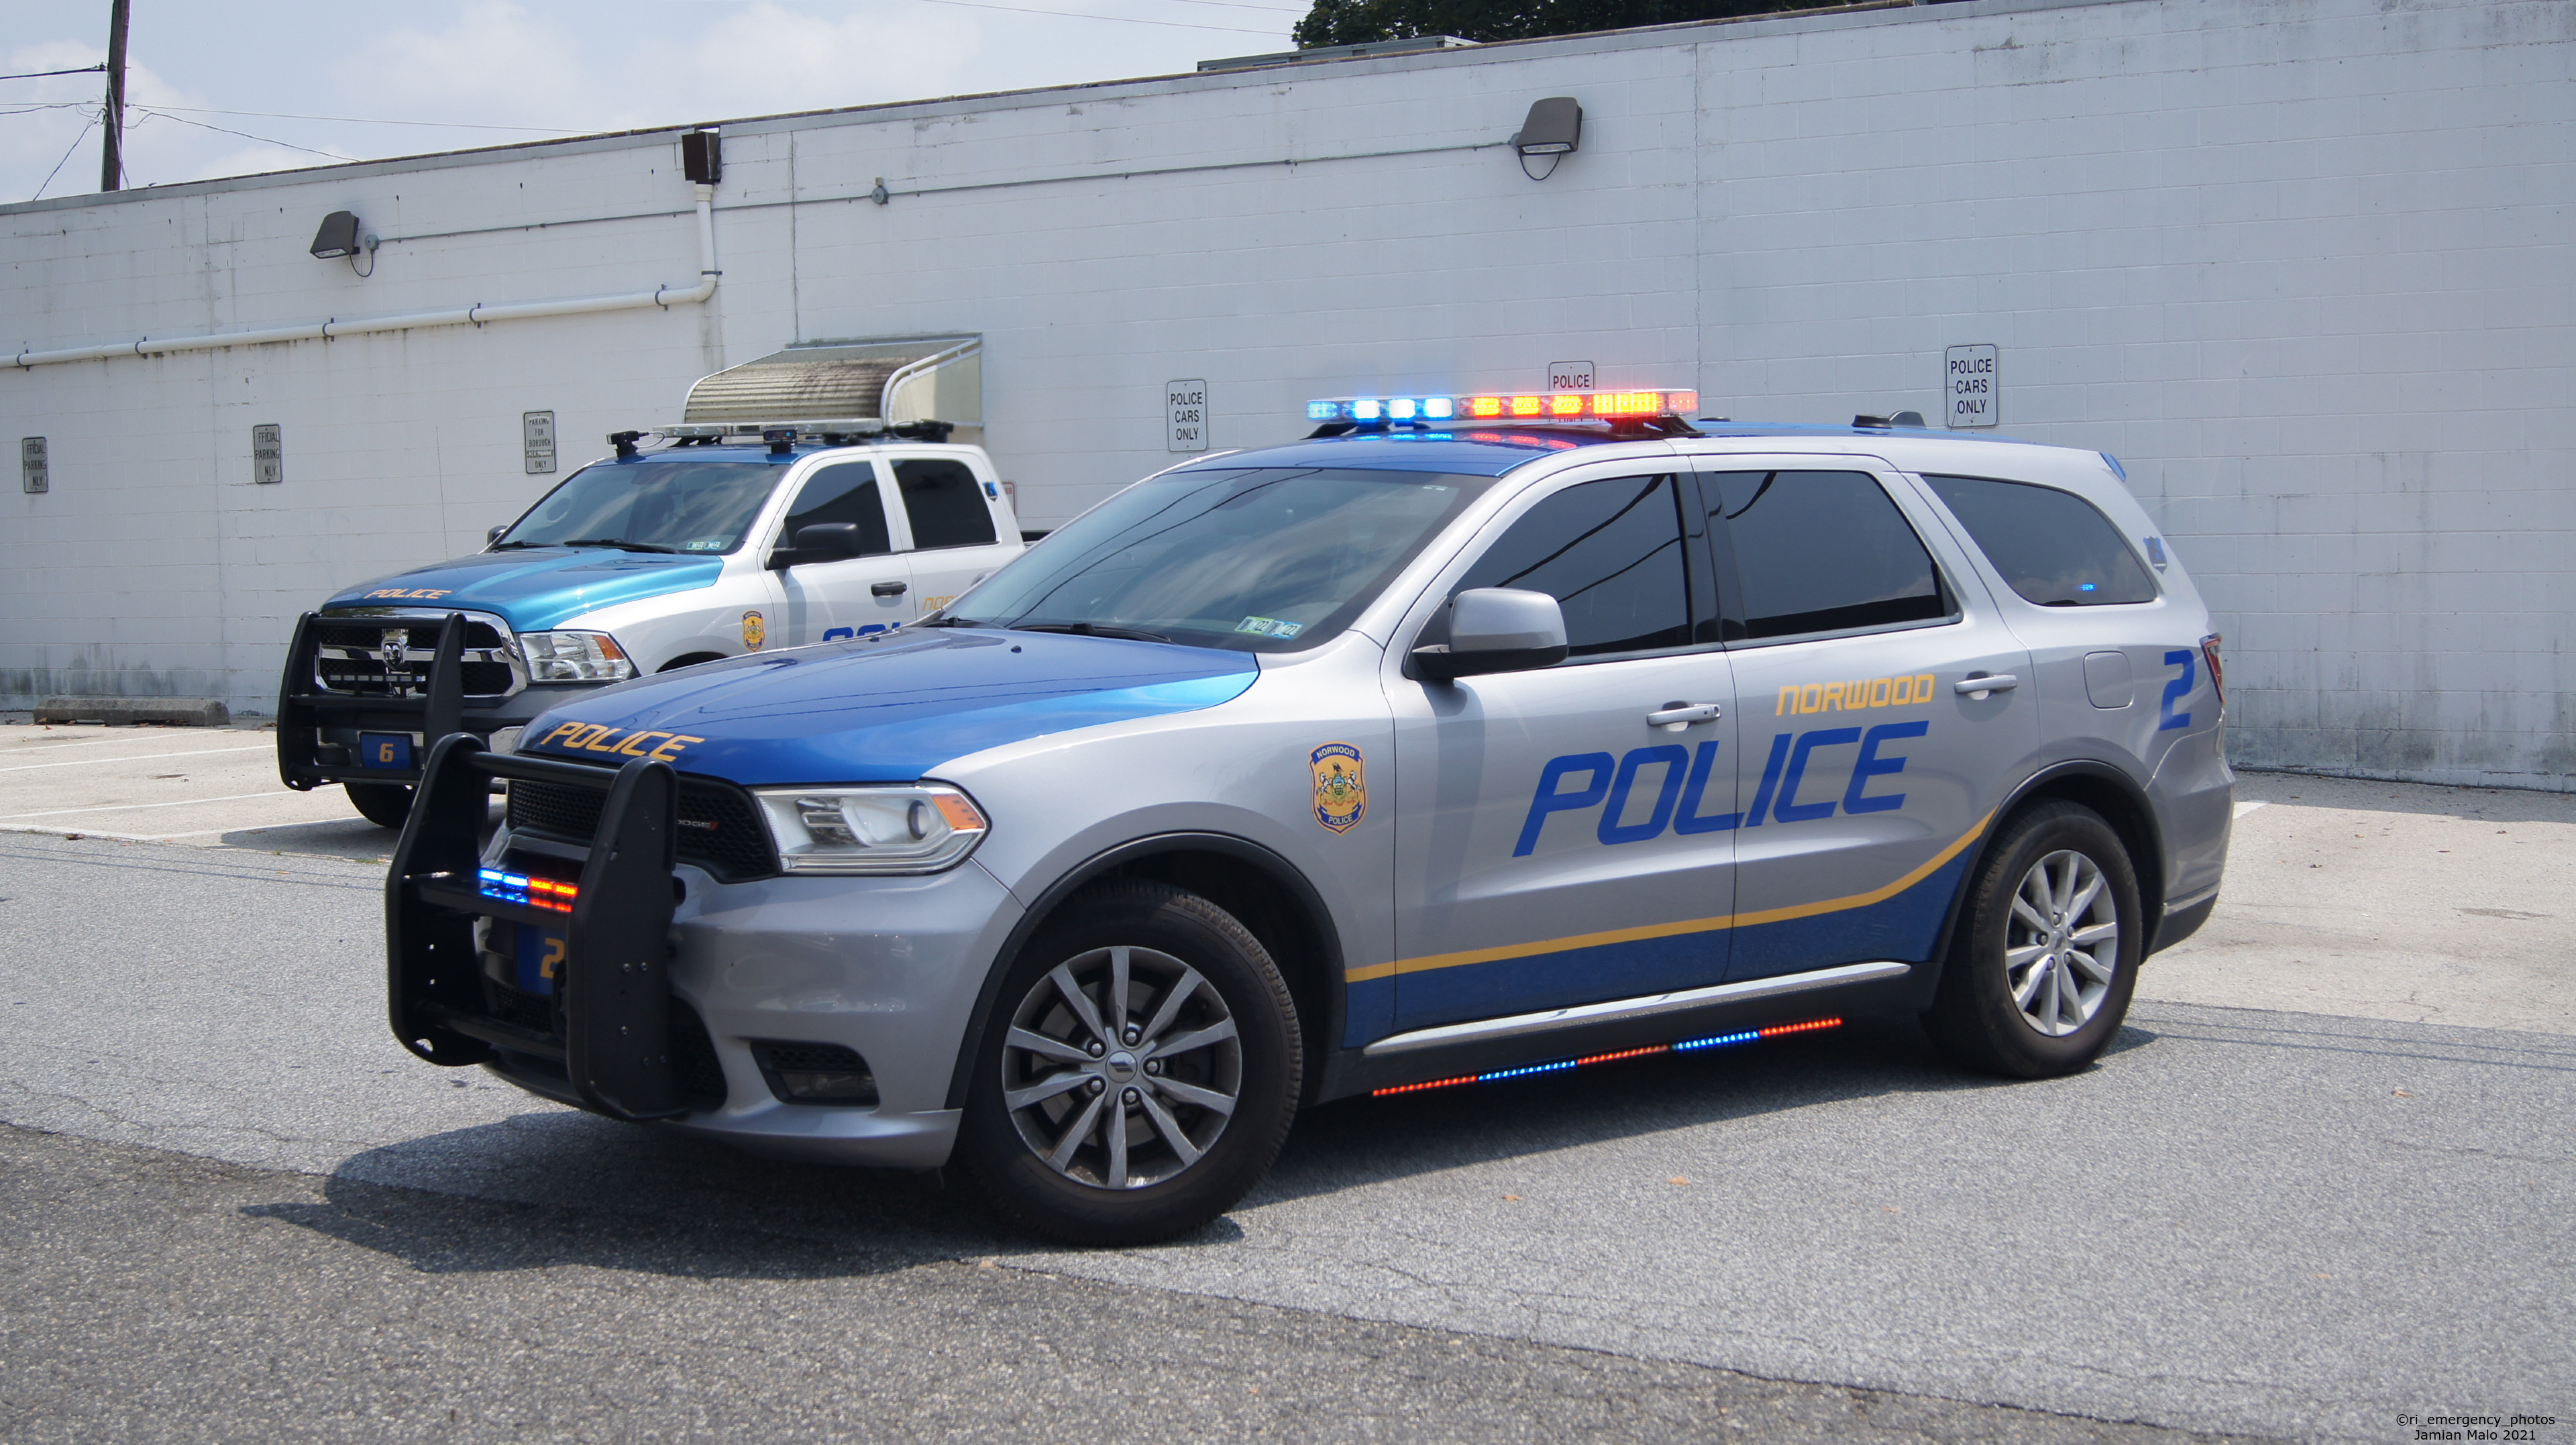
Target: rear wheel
point(1138, 1073)
point(384, 804)
point(2047, 950)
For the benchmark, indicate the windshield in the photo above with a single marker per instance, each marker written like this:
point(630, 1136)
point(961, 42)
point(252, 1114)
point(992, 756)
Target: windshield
point(1266, 559)
point(703, 507)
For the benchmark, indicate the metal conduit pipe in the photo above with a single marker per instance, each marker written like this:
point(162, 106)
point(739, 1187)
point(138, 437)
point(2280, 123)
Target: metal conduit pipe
point(477, 314)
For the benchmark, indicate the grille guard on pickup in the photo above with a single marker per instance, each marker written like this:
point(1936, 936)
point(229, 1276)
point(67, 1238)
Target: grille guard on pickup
point(303, 709)
point(612, 990)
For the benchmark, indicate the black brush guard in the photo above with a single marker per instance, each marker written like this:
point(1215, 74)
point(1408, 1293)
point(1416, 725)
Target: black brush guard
point(303, 709)
point(612, 990)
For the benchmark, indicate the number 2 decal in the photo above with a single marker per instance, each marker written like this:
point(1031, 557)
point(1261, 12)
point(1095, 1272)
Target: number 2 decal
point(2178, 689)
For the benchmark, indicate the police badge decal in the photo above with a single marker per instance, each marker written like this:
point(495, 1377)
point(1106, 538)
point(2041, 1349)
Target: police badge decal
point(754, 631)
point(1341, 786)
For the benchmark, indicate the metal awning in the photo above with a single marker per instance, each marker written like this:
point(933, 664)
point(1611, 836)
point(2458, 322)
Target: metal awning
point(938, 378)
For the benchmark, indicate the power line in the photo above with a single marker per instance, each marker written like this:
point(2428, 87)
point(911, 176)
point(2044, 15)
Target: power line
point(67, 155)
point(95, 69)
point(245, 135)
point(1122, 19)
point(366, 120)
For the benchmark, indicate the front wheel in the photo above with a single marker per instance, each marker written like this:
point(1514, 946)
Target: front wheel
point(2047, 949)
point(1138, 1073)
point(384, 804)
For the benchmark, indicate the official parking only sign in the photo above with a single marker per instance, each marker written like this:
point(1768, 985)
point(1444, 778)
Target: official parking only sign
point(1185, 413)
point(1972, 380)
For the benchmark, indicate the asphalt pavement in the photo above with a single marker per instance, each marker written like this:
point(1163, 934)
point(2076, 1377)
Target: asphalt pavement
point(246, 1212)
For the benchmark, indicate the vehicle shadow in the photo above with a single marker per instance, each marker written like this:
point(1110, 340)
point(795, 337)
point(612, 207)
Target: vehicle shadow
point(547, 1189)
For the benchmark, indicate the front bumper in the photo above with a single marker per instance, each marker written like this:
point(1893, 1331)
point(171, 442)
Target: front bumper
point(888, 968)
point(320, 732)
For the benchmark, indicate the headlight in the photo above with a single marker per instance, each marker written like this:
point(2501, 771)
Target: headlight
point(918, 829)
point(574, 657)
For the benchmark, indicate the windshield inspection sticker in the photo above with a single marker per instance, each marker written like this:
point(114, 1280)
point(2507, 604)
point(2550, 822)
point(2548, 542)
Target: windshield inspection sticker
point(1269, 627)
point(1341, 786)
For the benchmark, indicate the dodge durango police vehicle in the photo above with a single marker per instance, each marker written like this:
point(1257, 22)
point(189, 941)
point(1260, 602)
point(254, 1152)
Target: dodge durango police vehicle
point(1470, 738)
point(740, 537)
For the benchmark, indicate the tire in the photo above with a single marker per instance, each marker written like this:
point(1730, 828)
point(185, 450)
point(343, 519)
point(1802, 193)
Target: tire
point(1127, 1140)
point(384, 804)
point(2028, 991)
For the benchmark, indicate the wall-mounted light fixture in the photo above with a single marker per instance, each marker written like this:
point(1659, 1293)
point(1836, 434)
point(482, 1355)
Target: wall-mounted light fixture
point(340, 236)
point(702, 155)
point(1554, 129)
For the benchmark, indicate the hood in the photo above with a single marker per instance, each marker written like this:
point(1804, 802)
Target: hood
point(884, 710)
point(538, 588)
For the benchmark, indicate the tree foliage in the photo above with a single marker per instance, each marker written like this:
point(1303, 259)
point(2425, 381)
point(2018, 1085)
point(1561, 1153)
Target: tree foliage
point(1355, 22)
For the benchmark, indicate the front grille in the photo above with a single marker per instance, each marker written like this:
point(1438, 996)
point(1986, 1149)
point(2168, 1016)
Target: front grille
point(720, 829)
point(345, 674)
point(421, 636)
point(534, 1012)
point(365, 674)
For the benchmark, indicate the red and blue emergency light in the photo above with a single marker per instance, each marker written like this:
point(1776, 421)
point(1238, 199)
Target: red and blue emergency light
point(1504, 406)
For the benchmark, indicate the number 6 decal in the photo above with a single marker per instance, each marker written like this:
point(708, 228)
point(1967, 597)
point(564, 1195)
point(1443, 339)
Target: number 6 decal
point(2177, 690)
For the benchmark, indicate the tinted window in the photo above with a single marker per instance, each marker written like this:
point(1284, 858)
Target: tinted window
point(1258, 559)
point(945, 502)
point(650, 504)
point(1609, 552)
point(2054, 547)
point(846, 493)
point(1822, 552)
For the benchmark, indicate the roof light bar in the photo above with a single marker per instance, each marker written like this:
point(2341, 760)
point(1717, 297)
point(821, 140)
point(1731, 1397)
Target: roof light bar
point(1558, 1066)
point(1525, 406)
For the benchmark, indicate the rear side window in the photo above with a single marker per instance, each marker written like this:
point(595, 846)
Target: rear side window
point(2053, 547)
point(845, 493)
point(1609, 552)
point(1821, 552)
point(945, 502)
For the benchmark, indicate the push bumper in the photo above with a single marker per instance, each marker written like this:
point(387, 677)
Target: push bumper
point(672, 988)
point(321, 735)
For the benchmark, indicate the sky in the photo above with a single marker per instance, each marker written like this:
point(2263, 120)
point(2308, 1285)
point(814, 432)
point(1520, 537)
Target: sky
point(229, 87)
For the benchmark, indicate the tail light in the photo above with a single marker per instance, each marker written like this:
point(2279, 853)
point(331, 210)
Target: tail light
point(2217, 670)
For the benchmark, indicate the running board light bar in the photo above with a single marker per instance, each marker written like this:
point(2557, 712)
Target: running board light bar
point(1558, 1066)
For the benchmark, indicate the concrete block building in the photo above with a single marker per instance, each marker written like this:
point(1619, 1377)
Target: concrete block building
point(2308, 269)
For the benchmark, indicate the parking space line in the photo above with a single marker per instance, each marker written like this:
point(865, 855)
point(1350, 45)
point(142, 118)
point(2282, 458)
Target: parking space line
point(2244, 808)
point(144, 758)
point(173, 803)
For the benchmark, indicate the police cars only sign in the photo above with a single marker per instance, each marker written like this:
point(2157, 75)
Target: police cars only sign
point(1185, 412)
point(1972, 377)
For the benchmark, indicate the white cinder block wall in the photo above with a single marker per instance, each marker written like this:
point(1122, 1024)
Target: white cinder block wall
point(2306, 268)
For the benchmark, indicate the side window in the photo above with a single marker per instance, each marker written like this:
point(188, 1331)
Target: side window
point(845, 493)
point(1609, 552)
point(1821, 552)
point(945, 502)
point(2055, 548)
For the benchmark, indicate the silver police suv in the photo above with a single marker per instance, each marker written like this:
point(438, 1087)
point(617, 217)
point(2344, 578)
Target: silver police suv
point(1468, 739)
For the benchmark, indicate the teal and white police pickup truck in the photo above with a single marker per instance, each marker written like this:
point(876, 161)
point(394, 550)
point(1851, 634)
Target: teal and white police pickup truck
point(693, 543)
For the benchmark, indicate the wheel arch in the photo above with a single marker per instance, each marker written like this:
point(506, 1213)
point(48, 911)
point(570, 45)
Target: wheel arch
point(691, 659)
point(1263, 890)
point(2100, 786)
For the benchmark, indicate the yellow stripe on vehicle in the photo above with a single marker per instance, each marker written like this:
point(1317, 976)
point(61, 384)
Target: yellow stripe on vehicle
point(1881, 894)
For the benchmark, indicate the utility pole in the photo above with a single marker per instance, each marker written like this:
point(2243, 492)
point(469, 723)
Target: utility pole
point(111, 161)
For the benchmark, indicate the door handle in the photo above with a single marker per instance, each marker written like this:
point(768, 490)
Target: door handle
point(1675, 716)
point(1978, 684)
point(887, 589)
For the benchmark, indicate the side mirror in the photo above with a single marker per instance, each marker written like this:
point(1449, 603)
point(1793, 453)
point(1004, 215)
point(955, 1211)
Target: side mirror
point(820, 542)
point(1496, 629)
point(495, 534)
